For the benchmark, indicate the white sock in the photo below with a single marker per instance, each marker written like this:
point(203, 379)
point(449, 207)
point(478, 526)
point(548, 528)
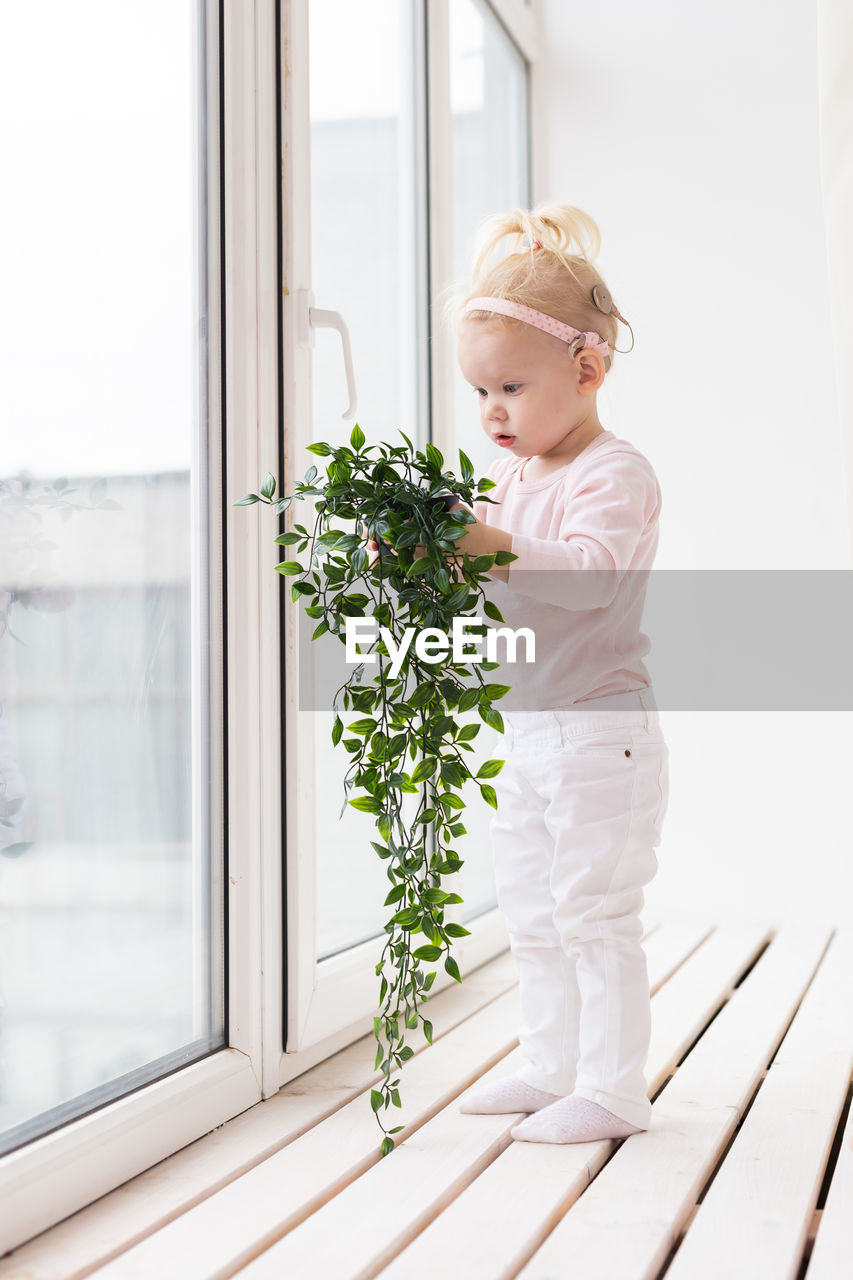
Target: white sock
point(507, 1095)
point(573, 1119)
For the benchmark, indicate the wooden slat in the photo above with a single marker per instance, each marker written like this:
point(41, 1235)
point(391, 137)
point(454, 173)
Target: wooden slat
point(117, 1221)
point(492, 1227)
point(460, 1198)
point(626, 1222)
point(389, 1204)
point(229, 1228)
point(683, 1006)
point(833, 1247)
point(754, 1221)
point(669, 946)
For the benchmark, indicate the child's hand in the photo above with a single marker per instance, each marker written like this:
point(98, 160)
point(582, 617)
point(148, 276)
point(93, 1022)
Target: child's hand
point(371, 546)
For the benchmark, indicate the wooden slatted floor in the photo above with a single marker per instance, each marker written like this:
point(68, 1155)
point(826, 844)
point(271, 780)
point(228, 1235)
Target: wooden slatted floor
point(746, 1171)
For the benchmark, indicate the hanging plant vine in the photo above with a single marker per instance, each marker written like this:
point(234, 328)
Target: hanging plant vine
point(399, 496)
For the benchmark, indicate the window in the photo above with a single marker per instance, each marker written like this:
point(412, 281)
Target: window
point(403, 101)
point(488, 99)
point(112, 957)
point(366, 239)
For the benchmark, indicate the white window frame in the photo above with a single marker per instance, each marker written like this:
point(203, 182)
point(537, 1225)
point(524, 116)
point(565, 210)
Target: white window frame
point(332, 1002)
point(55, 1175)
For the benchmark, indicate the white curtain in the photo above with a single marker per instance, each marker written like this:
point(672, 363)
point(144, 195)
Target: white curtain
point(835, 78)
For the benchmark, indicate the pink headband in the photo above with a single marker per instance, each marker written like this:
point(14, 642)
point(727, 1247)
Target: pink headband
point(548, 324)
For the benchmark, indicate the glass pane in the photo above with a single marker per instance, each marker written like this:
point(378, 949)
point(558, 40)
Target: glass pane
point(111, 967)
point(366, 239)
point(488, 91)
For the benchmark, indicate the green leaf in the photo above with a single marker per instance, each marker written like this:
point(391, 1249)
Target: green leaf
point(320, 631)
point(427, 1031)
point(453, 968)
point(488, 794)
point(268, 485)
point(356, 437)
point(387, 1146)
point(434, 456)
point(491, 610)
point(285, 539)
point(425, 769)
point(321, 448)
point(408, 916)
point(451, 774)
point(468, 699)
point(460, 595)
point(289, 567)
point(383, 825)
point(427, 953)
point(395, 895)
point(492, 718)
point(456, 930)
point(491, 769)
point(449, 800)
point(420, 566)
point(247, 501)
point(423, 694)
point(467, 468)
point(376, 1099)
point(364, 727)
point(366, 804)
point(337, 730)
point(467, 732)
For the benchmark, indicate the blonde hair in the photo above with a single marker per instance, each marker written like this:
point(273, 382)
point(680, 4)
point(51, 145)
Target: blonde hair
point(541, 271)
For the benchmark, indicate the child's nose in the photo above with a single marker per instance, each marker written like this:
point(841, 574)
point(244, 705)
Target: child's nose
point(495, 411)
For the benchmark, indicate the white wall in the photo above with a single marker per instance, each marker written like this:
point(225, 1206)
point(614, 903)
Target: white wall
point(690, 133)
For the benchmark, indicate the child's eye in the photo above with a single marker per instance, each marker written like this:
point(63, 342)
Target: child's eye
point(481, 392)
point(511, 387)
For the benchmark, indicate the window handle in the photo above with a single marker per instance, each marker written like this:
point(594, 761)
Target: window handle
point(315, 318)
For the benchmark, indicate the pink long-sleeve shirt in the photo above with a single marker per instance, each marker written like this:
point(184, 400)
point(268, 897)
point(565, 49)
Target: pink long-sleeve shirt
point(585, 537)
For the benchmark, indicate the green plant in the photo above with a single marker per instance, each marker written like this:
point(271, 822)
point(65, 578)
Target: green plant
point(395, 494)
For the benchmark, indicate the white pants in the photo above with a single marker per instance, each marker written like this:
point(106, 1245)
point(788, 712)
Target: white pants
point(581, 799)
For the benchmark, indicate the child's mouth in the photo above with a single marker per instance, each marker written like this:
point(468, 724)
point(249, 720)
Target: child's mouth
point(504, 440)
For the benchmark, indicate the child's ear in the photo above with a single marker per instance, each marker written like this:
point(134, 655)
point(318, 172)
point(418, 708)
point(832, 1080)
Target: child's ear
point(590, 370)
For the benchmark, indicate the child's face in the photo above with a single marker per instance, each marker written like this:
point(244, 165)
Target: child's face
point(531, 392)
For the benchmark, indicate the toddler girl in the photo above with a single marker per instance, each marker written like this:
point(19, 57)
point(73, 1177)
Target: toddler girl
point(584, 789)
point(583, 792)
